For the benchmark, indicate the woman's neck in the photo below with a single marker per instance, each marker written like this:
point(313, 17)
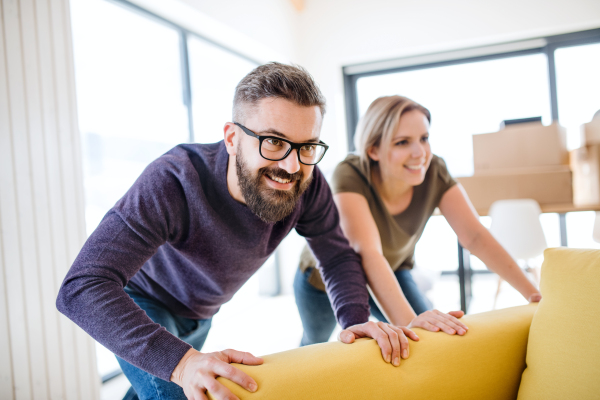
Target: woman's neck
point(395, 194)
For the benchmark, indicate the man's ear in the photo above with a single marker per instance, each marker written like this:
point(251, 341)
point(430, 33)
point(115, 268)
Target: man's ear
point(373, 154)
point(230, 138)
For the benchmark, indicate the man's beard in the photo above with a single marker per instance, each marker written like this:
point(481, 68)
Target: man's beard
point(270, 205)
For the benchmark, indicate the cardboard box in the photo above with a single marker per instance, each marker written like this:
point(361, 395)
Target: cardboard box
point(551, 185)
point(521, 146)
point(590, 132)
point(585, 163)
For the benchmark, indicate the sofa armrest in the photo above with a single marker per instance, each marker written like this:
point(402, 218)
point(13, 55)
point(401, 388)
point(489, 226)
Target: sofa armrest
point(485, 363)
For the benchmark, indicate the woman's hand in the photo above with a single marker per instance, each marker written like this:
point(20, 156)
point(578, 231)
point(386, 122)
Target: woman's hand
point(435, 321)
point(390, 338)
point(535, 297)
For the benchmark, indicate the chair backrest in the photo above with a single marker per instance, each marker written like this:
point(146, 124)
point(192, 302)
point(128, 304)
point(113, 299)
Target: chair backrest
point(596, 232)
point(516, 225)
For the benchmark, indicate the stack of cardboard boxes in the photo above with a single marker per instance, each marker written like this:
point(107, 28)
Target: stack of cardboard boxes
point(524, 161)
point(585, 163)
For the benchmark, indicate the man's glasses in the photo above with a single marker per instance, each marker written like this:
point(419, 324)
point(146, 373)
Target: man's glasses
point(275, 148)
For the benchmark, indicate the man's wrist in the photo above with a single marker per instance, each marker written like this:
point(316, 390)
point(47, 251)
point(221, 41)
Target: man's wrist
point(177, 375)
point(353, 314)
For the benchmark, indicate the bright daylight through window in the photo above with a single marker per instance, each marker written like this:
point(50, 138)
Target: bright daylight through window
point(131, 105)
point(467, 98)
point(464, 99)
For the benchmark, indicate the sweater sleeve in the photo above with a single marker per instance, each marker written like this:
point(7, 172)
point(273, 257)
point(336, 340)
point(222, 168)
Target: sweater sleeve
point(151, 213)
point(340, 266)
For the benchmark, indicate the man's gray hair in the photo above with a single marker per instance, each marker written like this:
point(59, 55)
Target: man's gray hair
point(290, 82)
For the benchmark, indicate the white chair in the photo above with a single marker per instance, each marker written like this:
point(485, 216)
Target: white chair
point(516, 225)
point(596, 231)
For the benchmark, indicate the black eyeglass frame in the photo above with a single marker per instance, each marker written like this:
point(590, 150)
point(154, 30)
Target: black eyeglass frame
point(293, 145)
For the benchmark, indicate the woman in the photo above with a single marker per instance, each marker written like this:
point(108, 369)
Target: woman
point(385, 195)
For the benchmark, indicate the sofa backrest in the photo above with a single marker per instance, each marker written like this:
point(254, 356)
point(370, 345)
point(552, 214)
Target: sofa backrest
point(563, 354)
point(485, 363)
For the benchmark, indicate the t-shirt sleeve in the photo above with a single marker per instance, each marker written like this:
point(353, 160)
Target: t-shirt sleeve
point(152, 212)
point(340, 266)
point(347, 179)
point(440, 182)
point(446, 180)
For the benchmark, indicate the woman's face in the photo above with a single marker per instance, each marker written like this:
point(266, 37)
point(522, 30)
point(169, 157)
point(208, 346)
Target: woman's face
point(409, 152)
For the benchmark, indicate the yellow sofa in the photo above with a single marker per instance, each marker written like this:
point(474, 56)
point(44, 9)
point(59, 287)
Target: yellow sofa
point(550, 351)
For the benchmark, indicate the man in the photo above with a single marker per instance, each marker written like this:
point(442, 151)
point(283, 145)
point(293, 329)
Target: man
point(197, 223)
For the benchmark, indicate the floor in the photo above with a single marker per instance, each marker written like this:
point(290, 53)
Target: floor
point(264, 325)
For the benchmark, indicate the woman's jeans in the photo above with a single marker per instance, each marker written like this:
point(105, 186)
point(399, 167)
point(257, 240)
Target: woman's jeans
point(192, 331)
point(318, 319)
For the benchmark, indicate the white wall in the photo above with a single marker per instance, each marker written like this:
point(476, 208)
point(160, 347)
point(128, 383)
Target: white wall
point(271, 22)
point(264, 30)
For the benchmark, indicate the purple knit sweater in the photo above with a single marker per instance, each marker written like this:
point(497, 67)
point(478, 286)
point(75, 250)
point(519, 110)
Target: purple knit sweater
point(179, 237)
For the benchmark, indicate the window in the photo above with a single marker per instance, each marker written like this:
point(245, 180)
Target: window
point(129, 101)
point(215, 73)
point(578, 87)
point(129, 98)
point(131, 81)
point(467, 98)
point(463, 100)
point(471, 92)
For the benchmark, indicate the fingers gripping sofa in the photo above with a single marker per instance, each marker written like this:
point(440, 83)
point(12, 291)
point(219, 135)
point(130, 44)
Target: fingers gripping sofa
point(546, 351)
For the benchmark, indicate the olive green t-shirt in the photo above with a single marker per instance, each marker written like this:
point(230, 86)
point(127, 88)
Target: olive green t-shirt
point(399, 233)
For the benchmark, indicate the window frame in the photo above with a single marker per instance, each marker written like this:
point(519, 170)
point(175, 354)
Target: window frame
point(544, 45)
point(184, 59)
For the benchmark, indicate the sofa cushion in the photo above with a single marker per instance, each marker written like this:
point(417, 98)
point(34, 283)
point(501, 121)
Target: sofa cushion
point(486, 363)
point(563, 351)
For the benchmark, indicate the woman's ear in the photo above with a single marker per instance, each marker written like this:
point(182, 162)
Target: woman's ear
point(373, 153)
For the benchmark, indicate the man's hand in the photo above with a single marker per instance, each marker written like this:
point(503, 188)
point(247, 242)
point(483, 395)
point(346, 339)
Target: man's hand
point(391, 339)
point(535, 297)
point(435, 321)
point(197, 372)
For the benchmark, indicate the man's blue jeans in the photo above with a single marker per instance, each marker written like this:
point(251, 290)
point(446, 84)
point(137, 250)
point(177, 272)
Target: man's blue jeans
point(192, 331)
point(318, 319)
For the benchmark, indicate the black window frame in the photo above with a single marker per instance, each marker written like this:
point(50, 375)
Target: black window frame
point(551, 44)
point(184, 34)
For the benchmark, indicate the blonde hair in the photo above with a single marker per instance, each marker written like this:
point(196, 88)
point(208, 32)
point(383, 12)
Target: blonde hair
point(379, 124)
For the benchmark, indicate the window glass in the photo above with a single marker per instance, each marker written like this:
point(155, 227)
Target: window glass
point(129, 98)
point(129, 101)
point(580, 229)
point(214, 74)
point(466, 99)
point(578, 88)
